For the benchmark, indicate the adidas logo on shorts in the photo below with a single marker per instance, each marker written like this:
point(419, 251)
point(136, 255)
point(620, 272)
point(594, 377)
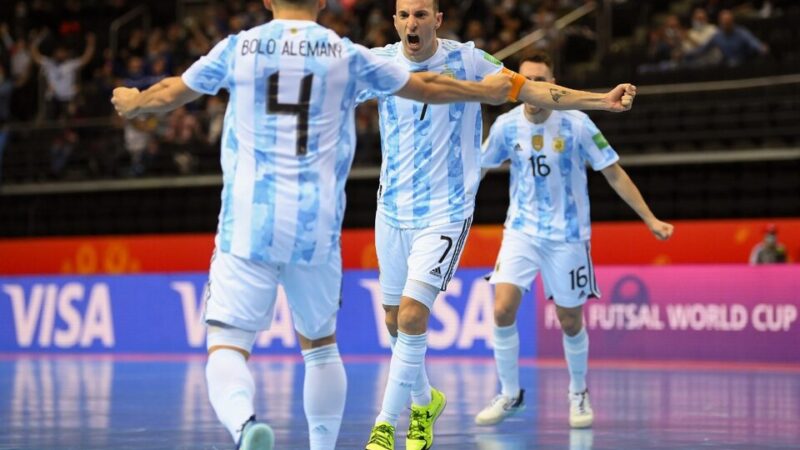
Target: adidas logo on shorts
point(436, 272)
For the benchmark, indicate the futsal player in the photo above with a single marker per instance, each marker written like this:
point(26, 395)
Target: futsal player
point(429, 176)
point(547, 231)
point(287, 148)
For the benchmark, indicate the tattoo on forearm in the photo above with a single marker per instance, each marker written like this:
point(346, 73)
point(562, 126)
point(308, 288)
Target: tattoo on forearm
point(557, 94)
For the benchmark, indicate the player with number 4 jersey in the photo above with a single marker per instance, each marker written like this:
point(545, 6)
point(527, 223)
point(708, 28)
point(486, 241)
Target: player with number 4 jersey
point(547, 231)
point(287, 147)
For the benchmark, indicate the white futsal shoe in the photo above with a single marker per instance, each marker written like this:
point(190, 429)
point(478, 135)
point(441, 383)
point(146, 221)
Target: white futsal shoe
point(501, 407)
point(256, 436)
point(580, 410)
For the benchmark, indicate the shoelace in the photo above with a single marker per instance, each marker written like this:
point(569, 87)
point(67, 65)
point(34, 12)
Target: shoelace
point(582, 404)
point(382, 435)
point(507, 402)
point(500, 398)
point(416, 427)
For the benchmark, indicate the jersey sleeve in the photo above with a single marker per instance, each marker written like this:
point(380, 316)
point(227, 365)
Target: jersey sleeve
point(485, 64)
point(594, 147)
point(377, 76)
point(495, 149)
point(211, 72)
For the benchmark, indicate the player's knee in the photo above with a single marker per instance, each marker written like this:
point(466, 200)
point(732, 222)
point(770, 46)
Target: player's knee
point(413, 318)
point(225, 336)
point(310, 344)
point(571, 324)
point(504, 314)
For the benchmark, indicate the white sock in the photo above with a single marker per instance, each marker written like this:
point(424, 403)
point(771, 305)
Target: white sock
point(324, 392)
point(576, 351)
point(506, 356)
point(421, 391)
point(408, 357)
point(230, 388)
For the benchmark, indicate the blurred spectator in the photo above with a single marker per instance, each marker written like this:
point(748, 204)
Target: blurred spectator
point(545, 20)
point(769, 251)
point(21, 70)
point(735, 43)
point(140, 143)
point(665, 46)
point(61, 73)
point(60, 151)
point(701, 31)
point(182, 134)
point(135, 76)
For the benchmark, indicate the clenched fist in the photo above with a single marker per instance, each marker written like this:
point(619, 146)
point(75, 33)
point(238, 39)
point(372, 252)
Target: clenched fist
point(124, 101)
point(620, 98)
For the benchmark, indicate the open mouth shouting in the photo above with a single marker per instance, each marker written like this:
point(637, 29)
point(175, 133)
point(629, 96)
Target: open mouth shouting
point(413, 41)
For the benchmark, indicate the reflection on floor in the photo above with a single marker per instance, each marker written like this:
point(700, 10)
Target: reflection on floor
point(116, 403)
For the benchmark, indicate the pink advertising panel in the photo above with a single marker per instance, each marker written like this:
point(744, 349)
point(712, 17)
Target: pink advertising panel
point(711, 313)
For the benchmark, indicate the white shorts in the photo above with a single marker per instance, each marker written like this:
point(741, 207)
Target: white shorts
point(566, 267)
point(242, 293)
point(429, 255)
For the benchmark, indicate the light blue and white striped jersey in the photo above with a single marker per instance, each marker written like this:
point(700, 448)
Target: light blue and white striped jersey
point(431, 153)
point(289, 135)
point(549, 194)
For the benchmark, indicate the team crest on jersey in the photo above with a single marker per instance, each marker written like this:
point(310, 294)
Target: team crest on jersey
point(448, 72)
point(538, 142)
point(558, 144)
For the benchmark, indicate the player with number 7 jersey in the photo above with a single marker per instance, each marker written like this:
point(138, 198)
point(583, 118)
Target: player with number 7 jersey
point(287, 147)
point(429, 177)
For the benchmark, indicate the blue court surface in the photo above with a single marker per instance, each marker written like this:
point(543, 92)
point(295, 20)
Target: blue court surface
point(93, 402)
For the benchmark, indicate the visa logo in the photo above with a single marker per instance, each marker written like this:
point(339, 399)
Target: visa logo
point(61, 316)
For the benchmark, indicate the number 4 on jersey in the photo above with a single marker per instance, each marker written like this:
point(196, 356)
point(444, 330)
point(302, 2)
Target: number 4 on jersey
point(299, 109)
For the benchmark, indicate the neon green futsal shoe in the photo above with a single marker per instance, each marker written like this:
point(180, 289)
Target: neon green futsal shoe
point(382, 437)
point(420, 428)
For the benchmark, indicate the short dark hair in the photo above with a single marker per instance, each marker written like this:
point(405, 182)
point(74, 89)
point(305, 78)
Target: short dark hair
point(435, 4)
point(538, 56)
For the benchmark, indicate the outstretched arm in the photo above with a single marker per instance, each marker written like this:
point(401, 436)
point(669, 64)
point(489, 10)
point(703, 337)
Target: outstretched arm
point(432, 88)
point(623, 185)
point(88, 52)
point(36, 55)
point(550, 96)
point(166, 95)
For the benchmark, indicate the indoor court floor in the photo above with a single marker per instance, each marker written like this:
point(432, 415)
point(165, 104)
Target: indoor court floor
point(106, 402)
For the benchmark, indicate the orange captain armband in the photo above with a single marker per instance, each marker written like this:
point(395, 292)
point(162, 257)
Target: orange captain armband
point(517, 81)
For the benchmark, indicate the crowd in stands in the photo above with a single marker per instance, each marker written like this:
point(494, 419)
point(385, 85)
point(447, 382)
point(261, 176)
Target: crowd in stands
point(709, 37)
point(68, 43)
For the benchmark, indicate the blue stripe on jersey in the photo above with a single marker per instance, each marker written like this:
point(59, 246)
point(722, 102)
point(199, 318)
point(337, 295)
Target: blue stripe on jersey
point(478, 130)
point(423, 156)
point(565, 166)
point(455, 166)
point(391, 155)
point(262, 219)
point(228, 159)
point(344, 150)
point(230, 149)
point(544, 202)
point(520, 190)
point(308, 195)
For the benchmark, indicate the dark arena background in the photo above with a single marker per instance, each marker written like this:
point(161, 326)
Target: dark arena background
point(107, 228)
